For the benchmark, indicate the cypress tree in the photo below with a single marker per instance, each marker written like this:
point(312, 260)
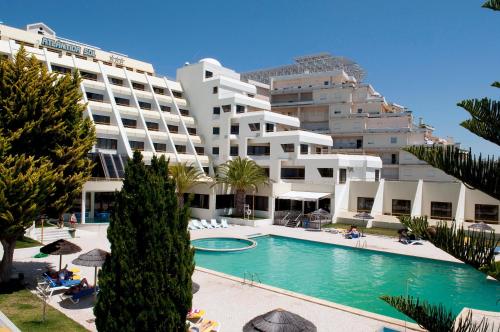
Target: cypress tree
point(145, 284)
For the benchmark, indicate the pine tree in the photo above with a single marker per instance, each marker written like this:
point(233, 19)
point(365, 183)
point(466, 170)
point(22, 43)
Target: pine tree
point(41, 121)
point(145, 285)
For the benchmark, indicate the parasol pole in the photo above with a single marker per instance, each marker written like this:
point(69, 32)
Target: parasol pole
point(60, 262)
point(95, 280)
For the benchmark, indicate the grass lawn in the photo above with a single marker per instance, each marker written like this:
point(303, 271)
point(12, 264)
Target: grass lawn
point(25, 310)
point(26, 242)
point(373, 230)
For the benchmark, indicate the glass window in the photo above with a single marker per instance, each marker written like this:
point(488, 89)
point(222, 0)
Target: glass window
point(365, 204)
point(394, 140)
point(304, 148)
point(441, 210)
point(215, 150)
point(224, 201)
point(191, 130)
point(216, 110)
point(401, 207)
point(261, 202)
point(326, 172)
point(254, 126)
point(153, 126)
point(158, 90)
point(342, 175)
point(215, 130)
point(145, 106)
point(60, 69)
point(288, 147)
point(101, 119)
point(122, 101)
point(160, 147)
point(173, 129)
point(88, 76)
point(129, 123)
point(235, 129)
point(165, 108)
point(240, 109)
point(226, 108)
point(258, 150)
point(215, 90)
point(198, 201)
point(233, 150)
point(486, 212)
point(138, 86)
point(208, 74)
point(377, 175)
point(360, 110)
point(292, 173)
point(106, 143)
point(94, 96)
point(199, 149)
point(269, 127)
point(177, 94)
point(137, 145)
point(184, 112)
point(180, 148)
point(115, 81)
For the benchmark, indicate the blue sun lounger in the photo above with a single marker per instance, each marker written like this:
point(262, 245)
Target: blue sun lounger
point(75, 298)
point(56, 285)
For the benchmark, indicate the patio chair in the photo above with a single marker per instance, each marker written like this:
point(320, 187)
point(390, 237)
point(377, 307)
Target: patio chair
point(75, 298)
point(205, 224)
point(214, 223)
point(196, 223)
point(223, 223)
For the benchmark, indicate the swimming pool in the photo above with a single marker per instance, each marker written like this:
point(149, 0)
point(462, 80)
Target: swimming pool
point(356, 277)
point(223, 244)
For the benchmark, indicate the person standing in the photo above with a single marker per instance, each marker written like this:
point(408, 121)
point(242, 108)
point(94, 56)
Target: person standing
point(72, 220)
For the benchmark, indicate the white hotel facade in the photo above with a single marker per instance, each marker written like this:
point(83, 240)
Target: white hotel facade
point(207, 116)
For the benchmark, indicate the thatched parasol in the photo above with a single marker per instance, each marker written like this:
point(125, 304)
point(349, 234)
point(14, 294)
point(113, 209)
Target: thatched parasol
point(93, 258)
point(279, 320)
point(194, 287)
point(60, 247)
point(481, 226)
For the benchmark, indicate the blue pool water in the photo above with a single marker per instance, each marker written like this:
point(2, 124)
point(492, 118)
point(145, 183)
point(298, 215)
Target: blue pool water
point(356, 277)
point(221, 243)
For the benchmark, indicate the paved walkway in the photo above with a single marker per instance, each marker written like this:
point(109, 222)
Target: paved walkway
point(226, 300)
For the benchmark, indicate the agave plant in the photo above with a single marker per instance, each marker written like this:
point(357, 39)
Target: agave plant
point(240, 175)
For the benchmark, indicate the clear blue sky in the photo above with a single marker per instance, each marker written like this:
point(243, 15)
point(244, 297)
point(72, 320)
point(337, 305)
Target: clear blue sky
point(426, 55)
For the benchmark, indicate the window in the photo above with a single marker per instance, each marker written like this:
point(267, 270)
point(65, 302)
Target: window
point(325, 83)
point(184, 112)
point(304, 149)
point(173, 129)
point(115, 81)
point(233, 150)
point(226, 108)
point(164, 108)
point(122, 101)
point(129, 123)
point(61, 70)
point(401, 207)
point(180, 148)
point(215, 150)
point(224, 201)
point(216, 110)
point(288, 147)
point(394, 159)
point(102, 119)
point(377, 174)
point(199, 149)
point(106, 143)
point(342, 175)
point(269, 127)
point(258, 150)
point(326, 172)
point(158, 90)
point(235, 129)
point(153, 126)
point(394, 140)
point(365, 204)
point(441, 210)
point(360, 110)
point(215, 130)
point(160, 147)
point(177, 94)
point(337, 112)
point(137, 145)
point(208, 74)
point(88, 76)
point(215, 90)
point(191, 130)
point(254, 126)
point(261, 202)
point(484, 212)
point(292, 173)
point(145, 106)
point(94, 96)
point(198, 201)
point(138, 86)
point(240, 109)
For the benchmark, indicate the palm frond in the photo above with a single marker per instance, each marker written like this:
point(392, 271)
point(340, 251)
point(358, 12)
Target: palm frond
point(492, 4)
point(485, 121)
point(478, 173)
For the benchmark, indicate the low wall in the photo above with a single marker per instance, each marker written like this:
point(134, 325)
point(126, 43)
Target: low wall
point(93, 227)
point(246, 222)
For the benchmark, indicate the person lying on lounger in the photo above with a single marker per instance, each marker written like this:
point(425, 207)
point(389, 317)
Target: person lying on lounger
point(77, 288)
point(353, 233)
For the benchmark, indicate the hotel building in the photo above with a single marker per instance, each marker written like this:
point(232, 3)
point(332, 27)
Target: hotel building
point(209, 115)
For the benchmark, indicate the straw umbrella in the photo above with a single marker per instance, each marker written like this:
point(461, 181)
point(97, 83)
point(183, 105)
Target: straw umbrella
point(279, 320)
point(481, 226)
point(94, 258)
point(60, 247)
point(364, 216)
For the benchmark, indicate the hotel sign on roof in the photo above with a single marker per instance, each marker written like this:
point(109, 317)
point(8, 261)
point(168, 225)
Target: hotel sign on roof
point(73, 48)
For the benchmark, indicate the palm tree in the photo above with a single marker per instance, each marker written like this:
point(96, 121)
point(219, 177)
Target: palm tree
point(240, 175)
point(185, 178)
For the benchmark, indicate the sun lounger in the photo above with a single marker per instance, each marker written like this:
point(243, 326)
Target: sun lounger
point(75, 298)
point(53, 285)
point(191, 227)
point(208, 326)
point(205, 224)
point(214, 223)
point(196, 223)
point(223, 223)
point(195, 316)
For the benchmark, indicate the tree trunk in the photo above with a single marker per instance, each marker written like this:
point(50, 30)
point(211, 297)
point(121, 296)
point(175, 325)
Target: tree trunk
point(180, 200)
point(240, 202)
point(8, 244)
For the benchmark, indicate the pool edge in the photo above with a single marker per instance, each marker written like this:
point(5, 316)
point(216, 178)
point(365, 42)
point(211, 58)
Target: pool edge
point(330, 304)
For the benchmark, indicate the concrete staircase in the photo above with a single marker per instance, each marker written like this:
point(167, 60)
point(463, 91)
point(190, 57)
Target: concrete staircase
point(50, 234)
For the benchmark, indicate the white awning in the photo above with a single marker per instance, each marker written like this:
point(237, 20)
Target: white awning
point(303, 195)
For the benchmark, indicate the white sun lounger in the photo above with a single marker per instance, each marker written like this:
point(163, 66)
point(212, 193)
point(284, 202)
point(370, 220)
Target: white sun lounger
point(192, 227)
point(205, 224)
point(214, 223)
point(223, 223)
point(197, 224)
